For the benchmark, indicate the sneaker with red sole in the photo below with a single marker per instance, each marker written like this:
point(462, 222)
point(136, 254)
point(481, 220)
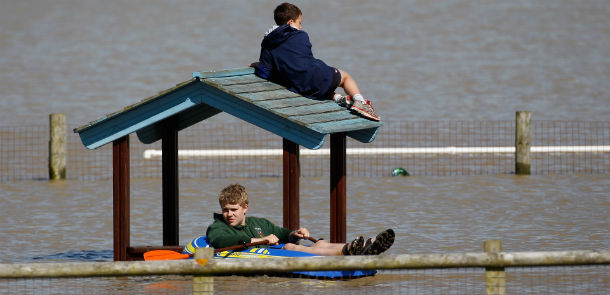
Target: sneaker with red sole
point(364, 109)
point(345, 101)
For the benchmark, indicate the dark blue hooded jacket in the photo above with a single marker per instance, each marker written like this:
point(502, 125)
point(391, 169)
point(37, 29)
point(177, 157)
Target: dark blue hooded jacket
point(286, 59)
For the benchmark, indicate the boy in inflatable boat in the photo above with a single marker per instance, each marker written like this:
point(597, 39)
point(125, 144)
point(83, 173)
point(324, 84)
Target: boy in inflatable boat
point(232, 227)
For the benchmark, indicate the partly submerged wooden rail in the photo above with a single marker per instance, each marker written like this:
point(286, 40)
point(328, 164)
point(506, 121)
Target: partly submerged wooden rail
point(275, 265)
point(448, 150)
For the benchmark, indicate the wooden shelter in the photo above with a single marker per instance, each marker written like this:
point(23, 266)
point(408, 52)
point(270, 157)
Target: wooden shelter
point(298, 120)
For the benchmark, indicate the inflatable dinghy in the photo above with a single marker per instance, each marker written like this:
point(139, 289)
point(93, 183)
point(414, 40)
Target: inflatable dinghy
point(277, 252)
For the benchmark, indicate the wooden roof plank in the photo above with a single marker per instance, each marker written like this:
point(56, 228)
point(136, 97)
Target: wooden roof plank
point(253, 87)
point(323, 117)
point(245, 79)
point(263, 118)
point(223, 73)
point(302, 110)
point(347, 125)
point(284, 102)
point(272, 94)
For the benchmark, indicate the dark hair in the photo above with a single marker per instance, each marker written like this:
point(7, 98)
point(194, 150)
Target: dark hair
point(285, 12)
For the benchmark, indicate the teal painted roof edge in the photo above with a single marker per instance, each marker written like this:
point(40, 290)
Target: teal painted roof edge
point(132, 106)
point(138, 116)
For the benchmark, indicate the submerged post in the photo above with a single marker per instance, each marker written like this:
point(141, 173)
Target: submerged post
point(169, 164)
point(495, 277)
point(338, 215)
point(57, 146)
point(292, 173)
point(522, 143)
point(120, 193)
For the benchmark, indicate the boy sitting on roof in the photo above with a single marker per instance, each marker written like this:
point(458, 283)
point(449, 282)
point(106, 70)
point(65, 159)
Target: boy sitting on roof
point(286, 58)
point(232, 227)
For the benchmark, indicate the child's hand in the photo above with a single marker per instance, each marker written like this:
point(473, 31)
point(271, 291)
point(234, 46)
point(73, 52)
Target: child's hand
point(254, 65)
point(301, 233)
point(273, 240)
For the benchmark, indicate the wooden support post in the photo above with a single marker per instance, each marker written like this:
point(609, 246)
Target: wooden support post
point(120, 192)
point(57, 146)
point(495, 277)
point(338, 202)
point(292, 173)
point(169, 163)
point(203, 285)
point(523, 143)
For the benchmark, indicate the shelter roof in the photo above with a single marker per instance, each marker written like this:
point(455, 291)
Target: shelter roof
point(240, 93)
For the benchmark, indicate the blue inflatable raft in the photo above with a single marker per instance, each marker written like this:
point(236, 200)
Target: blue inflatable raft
point(275, 252)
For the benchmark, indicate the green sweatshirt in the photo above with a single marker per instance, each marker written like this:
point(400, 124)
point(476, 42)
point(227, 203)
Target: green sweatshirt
point(221, 235)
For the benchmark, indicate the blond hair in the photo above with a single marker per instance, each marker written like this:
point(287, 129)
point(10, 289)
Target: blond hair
point(233, 194)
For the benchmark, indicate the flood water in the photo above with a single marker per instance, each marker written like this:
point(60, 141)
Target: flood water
point(72, 221)
point(454, 59)
point(416, 60)
point(429, 214)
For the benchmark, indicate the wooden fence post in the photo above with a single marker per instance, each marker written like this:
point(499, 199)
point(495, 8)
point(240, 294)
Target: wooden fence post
point(523, 143)
point(495, 277)
point(203, 285)
point(57, 146)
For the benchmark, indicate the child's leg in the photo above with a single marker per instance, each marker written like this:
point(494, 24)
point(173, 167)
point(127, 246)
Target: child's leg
point(358, 103)
point(348, 84)
point(354, 101)
point(319, 248)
